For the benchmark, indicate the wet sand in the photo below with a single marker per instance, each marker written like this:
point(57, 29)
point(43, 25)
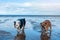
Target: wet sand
point(30, 35)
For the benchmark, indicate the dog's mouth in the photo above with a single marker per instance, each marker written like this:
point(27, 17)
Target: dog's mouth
point(43, 27)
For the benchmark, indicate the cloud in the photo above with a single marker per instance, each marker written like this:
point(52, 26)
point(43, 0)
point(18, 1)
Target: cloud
point(28, 8)
point(46, 5)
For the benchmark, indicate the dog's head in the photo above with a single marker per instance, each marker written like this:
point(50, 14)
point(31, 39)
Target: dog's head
point(43, 24)
point(16, 24)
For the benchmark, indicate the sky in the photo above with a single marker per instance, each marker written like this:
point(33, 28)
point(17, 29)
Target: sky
point(29, 7)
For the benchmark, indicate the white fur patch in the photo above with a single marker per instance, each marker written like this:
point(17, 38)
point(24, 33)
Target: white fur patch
point(17, 24)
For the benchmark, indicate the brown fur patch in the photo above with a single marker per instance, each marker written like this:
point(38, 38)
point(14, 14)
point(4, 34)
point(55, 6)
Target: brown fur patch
point(46, 24)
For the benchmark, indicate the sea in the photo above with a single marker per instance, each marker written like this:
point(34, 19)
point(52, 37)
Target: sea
point(32, 28)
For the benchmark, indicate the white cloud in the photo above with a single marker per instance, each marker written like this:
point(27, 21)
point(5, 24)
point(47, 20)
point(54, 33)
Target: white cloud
point(46, 5)
point(29, 8)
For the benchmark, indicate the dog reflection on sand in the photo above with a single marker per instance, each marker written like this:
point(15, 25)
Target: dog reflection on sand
point(45, 36)
point(20, 36)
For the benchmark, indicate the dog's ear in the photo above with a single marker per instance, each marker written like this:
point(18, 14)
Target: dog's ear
point(14, 22)
point(40, 23)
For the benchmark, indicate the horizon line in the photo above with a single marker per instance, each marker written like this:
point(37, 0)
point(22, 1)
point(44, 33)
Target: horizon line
point(29, 15)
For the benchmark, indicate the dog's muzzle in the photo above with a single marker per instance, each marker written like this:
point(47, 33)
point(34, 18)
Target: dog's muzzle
point(17, 24)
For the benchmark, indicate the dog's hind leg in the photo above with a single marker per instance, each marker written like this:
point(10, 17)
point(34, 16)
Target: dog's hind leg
point(23, 28)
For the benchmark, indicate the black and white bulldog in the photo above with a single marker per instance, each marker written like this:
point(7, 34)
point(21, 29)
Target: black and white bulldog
point(20, 24)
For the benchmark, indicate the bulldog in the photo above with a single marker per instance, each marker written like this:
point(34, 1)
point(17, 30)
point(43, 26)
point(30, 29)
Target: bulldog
point(45, 25)
point(20, 24)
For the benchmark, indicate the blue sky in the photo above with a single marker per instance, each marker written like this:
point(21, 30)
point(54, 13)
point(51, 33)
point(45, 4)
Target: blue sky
point(29, 7)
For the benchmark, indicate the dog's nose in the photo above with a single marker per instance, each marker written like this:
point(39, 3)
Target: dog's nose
point(16, 25)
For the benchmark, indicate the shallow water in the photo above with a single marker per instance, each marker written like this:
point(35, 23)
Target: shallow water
point(32, 29)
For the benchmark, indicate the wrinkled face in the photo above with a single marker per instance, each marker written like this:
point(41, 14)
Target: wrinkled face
point(42, 24)
point(17, 24)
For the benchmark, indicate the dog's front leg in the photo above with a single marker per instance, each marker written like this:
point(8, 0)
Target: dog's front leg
point(18, 29)
point(46, 28)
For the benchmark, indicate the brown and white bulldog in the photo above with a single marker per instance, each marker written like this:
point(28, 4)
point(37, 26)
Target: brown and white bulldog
point(20, 24)
point(45, 25)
